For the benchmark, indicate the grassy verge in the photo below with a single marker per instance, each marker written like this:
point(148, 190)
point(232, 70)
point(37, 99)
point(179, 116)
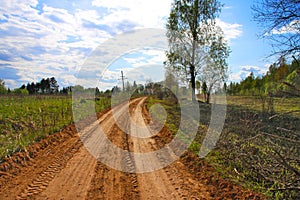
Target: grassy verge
point(27, 119)
point(258, 150)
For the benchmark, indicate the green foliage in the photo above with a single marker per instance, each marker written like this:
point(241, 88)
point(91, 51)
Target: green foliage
point(3, 89)
point(195, 38)
point(294, 79)
point(281, 80)
point(44, 86)
point(195, 147)
point(27, 119)
point(21, 91)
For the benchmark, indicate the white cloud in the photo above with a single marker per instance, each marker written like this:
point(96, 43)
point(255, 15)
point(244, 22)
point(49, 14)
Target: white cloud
point(56, 42)
point(255, 69)
point(242, 72)
point(227, 7)
point(146, 57)
point(11, 83)
point(19, 7)
point(150, 14)
point(293, 28)
point(126, 46)
point(231, 31)
point(39, 38)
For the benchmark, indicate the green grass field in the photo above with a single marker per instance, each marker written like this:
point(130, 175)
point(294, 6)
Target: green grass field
point(27, 119)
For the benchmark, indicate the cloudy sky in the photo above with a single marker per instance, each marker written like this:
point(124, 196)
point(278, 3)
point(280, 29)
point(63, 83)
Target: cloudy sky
point(46, 38)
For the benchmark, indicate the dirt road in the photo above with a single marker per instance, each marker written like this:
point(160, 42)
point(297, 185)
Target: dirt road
point(61, 167)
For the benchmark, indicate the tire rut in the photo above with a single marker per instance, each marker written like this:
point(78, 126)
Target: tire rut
point(109, 183)
point(170, 182)
point(41, 156)
point(42, 181)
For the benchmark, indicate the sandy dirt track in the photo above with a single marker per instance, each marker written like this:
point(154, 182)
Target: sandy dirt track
point(61, 167)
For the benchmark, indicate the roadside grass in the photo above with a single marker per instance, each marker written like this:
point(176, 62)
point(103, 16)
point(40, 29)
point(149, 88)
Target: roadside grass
point(259, 150)
point(27, 119)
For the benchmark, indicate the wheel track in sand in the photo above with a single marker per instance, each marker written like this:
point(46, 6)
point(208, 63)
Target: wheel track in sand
point(109, 183)
point(42, 181)
point(34, 175)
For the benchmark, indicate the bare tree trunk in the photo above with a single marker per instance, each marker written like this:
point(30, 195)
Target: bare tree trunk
point(207, 97)
point(193, 80)
point(192, 72)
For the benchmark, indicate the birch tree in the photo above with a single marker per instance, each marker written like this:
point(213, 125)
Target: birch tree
point(214, 72)
point(189, 27)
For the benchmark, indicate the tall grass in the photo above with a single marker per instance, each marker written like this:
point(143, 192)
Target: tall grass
point(27, 119)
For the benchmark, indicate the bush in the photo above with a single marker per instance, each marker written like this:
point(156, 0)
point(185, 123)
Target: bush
point(21, 91)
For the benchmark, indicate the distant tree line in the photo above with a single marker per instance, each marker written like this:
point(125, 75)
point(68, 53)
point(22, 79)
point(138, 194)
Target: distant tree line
point(45, 86)
point(282, 79)
point(134, 88)
point(50, 86)
point(5, 90)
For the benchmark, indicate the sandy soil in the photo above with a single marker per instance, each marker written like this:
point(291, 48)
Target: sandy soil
point(61, 166)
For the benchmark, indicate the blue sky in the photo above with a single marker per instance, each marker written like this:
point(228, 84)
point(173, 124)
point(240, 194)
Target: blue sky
point(45, 38)
point(249, 53)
